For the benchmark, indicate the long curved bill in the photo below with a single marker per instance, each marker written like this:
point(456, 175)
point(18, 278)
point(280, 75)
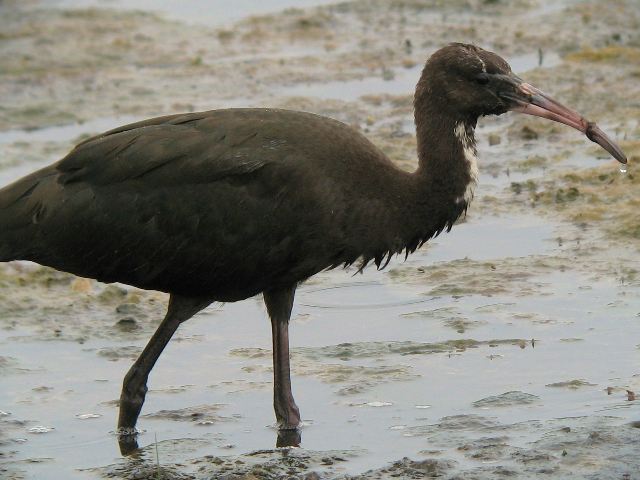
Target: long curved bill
point(528, 99)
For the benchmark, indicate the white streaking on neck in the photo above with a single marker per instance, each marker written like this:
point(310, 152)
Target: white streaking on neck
point(462, 133)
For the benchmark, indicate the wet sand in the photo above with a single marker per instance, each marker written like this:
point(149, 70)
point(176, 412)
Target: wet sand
point(505, 348)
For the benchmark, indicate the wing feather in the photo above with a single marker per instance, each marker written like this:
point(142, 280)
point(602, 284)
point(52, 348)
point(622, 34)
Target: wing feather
point(193, 148)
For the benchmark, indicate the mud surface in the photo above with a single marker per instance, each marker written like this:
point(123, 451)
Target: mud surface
point(507, 348)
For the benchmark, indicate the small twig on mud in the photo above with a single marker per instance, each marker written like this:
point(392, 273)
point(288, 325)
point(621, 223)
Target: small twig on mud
point(159, 475)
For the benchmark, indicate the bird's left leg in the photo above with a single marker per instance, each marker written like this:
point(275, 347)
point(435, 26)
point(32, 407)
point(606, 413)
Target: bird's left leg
point(134, 387)
point(279, 304)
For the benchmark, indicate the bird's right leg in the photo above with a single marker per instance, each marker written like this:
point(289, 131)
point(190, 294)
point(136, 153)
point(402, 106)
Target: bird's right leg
point(279, 304)
point(134, 387)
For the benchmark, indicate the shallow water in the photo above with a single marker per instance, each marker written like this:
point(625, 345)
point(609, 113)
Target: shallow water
point(400, 82)
point(215, 13)
point(504, 343)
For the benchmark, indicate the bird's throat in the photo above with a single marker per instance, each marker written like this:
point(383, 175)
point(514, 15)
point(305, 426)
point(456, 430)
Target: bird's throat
point(448, 158)
point(464, 133)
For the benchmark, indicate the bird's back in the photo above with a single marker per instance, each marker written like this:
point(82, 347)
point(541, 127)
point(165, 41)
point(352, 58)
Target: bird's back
point(223, 203)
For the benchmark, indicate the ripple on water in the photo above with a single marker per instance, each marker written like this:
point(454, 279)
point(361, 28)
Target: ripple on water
point(87, 416)
point(199, 414)
point(506, 399)
point(375, 404)
point(356, 296)
point(571, 384)
point(375, 350)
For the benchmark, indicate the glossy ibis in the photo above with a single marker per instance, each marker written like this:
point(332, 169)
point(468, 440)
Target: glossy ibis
point(226, 204)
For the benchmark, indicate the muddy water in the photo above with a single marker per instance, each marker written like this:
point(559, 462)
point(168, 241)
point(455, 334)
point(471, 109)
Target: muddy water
point(506, 347)
point(216, 12)
point(401, 81)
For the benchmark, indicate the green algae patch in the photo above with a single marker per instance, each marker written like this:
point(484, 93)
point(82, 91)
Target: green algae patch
point(354, 379)
point(199, 414)
point(55, 305)
point(506, 399)
point(571, 384)
point(450, 317)
point(375, 350)
point(266, 464)
point(600, 196)
point(464, 277)
point(531, 163)
point(610, 54)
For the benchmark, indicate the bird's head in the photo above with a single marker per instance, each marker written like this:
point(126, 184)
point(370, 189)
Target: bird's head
point(468, 82)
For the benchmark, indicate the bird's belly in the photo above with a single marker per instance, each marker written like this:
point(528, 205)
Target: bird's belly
point(224, 261)
point(226, 281)
point(191, 269)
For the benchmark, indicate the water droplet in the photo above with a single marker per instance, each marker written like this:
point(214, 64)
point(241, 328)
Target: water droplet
point(126, 431)
point(40, 429)
point(624, 168)
point(378, 404)
point(86, 416)
point(205, 422)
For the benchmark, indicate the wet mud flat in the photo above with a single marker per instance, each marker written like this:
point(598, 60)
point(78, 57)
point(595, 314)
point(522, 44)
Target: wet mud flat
point(506, 348)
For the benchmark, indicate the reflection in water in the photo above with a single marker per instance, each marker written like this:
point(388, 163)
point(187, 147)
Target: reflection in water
point(128, 442)
point(289, 438)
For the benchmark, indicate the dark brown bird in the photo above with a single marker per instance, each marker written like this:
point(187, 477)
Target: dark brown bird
point(226, 204)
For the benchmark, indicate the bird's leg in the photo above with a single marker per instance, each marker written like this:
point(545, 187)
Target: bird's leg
point(134, 387)
point(279, 304)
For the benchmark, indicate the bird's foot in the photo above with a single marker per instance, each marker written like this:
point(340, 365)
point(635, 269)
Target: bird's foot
point(288, 415)
point(127, 432)
point(127, 440)
point(289, 434)
point(130, 407)
point(289, 438)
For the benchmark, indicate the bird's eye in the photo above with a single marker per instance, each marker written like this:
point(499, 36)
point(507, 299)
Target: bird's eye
point(482, 79)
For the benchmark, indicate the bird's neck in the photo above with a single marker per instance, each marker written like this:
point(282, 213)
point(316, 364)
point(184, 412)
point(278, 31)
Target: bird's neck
point(445, 179)
point(448, 167)
point(421, 205)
